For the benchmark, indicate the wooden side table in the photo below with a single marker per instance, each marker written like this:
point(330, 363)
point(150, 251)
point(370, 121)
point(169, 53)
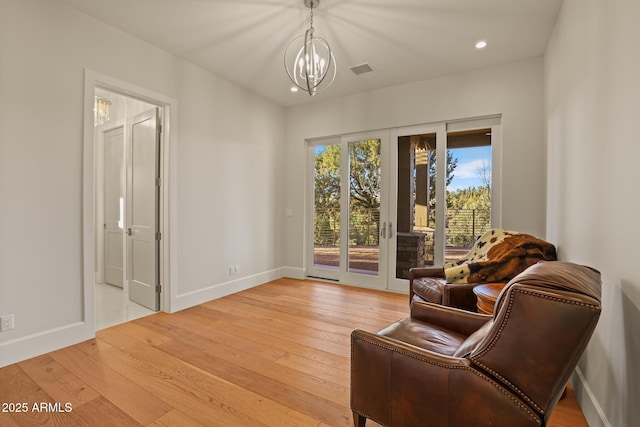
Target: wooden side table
point(487, 295)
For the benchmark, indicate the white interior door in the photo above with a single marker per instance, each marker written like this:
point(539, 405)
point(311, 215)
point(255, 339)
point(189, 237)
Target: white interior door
point(143, 194)
point(114, 206)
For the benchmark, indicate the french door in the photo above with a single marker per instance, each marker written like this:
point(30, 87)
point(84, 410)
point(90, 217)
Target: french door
point(347, 241)
point(380, 203)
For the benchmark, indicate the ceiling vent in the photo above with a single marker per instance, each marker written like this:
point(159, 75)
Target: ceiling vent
point(361, 69)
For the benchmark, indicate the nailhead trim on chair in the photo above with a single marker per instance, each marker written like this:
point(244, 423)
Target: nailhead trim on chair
point(501, 328)
point(417, 357)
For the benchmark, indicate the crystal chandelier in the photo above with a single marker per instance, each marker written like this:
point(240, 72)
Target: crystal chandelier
point(309, 61)
point(101, 110)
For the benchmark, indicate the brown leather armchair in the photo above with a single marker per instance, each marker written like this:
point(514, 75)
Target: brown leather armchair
point(448, 367)
point(428, 284)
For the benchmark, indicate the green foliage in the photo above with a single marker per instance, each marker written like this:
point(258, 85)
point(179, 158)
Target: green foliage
point(364, 193)
point(327, 196)
point(468, 215)
point(452, 163)
point(468, 210)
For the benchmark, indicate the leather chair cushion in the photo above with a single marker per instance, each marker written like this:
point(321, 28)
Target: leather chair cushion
point(425, 336)
point(429, 289)
point(474, 340)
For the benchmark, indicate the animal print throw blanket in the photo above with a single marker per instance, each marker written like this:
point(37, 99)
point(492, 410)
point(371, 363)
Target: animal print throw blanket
point(498, 256)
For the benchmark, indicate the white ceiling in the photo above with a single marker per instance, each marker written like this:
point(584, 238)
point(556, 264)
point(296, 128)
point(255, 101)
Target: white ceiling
point(403, 40)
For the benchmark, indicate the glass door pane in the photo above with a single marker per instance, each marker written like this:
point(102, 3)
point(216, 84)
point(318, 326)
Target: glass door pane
point(364, 206)
point(468, 190)
point(326, 206)
point(416, 202)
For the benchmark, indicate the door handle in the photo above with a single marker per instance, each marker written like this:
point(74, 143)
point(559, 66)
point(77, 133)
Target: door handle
point(129, 232)
point(383, 230)
point(390, 229)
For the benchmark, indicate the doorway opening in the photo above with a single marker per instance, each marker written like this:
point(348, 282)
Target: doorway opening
point(127, 138)
point(156, 129)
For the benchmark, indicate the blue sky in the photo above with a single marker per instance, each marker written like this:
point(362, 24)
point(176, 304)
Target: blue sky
point(469, 160)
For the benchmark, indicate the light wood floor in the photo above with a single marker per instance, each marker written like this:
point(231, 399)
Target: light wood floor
point(276, 355)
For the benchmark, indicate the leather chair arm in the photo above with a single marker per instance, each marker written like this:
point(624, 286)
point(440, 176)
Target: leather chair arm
point(391, 380)
point(461, 321)
point(391, 344)
point(417, 272)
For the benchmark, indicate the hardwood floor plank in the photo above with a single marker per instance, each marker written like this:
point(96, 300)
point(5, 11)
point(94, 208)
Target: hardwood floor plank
point(19, 389)
point(92, 346)
point(568, 413)
point(143, 406)
point(7, 420)
point(175, 418)
point(263, 344)
point(274, 355)
point(98, 412)
point(251, 361)
point(133, 330)
point(149, 374)
point(57, 381)
point(229, 395)
point(300, 400)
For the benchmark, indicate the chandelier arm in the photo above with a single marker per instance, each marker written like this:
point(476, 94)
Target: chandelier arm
point(329, 58)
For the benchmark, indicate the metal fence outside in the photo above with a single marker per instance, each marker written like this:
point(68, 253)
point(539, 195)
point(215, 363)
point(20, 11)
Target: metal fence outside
point(464, 226)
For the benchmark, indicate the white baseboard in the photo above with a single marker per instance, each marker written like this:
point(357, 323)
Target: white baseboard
point(44, 342)
point(50, 340)
point(220, 290)
point(293, 272)
point(587, 400)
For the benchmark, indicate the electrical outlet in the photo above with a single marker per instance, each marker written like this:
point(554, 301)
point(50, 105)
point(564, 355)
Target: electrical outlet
point(6, 323)
point(231, 273)
point(235, 269)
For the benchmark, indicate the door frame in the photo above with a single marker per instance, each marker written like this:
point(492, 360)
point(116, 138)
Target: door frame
point(168, 250)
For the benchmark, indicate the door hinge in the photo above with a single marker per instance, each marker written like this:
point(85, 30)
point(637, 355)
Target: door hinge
point(159, 128)
point(158, 236)
point(157, 182)
point(158, 288)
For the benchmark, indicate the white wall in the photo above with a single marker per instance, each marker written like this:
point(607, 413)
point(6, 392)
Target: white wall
point(513, 90)
point(229, 149)
point(592, 72)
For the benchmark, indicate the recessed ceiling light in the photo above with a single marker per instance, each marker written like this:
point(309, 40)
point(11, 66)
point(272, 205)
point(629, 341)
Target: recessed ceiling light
point(294, 89)
point(481, 44)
